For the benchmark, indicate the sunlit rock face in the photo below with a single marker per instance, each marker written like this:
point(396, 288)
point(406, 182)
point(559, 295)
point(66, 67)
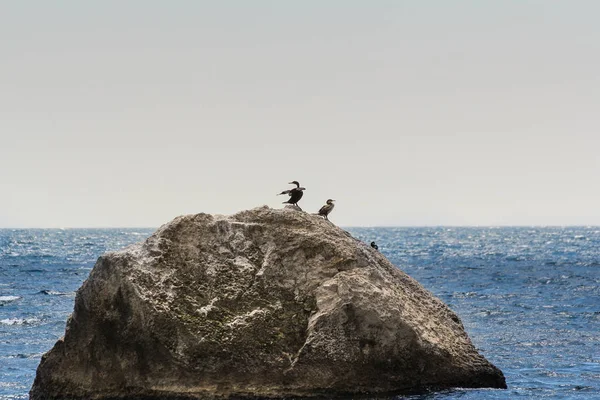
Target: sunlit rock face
point(263, 303)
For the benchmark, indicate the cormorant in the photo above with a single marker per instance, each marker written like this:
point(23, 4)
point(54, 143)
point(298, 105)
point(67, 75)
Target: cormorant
point(373, 245)
point(326, 209)
point(295, 194)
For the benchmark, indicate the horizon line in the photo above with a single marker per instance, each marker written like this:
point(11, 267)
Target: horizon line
point(340, 226)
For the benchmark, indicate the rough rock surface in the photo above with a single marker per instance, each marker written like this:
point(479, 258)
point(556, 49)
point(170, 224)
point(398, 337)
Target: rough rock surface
point(264, 303)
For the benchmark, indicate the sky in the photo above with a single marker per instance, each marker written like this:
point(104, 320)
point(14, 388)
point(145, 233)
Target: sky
point(128, 114)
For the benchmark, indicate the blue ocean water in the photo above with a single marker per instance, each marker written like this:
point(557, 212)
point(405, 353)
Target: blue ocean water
point(528, 297)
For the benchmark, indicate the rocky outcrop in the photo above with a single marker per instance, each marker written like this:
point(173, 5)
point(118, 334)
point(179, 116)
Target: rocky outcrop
point(263, 303)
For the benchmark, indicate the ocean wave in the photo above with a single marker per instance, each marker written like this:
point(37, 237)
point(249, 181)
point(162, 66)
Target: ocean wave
point(54, 293)
point(25, 355)
point(19, 321)
point(10, 396)
point(8, 299)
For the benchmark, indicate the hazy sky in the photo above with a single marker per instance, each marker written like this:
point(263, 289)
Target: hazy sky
point(129, 113)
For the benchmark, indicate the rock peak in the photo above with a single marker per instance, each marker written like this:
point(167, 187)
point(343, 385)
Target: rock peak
point(262, 303)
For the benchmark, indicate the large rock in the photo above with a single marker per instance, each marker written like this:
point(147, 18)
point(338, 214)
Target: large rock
point(265, 303)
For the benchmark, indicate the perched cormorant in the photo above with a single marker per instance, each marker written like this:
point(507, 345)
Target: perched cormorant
point(326, 209)
point(373, 245)
point(295, 194)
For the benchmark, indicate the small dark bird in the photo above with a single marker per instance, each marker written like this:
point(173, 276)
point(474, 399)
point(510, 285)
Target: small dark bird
point(373, 245)
point(326, 209)
point(295, 194)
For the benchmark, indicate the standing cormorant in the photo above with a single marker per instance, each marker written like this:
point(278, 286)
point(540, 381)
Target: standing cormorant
point(373, 245)
point(295, 194)
point(326, 209)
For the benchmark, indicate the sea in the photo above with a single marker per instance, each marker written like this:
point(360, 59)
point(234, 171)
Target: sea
point(529, 298)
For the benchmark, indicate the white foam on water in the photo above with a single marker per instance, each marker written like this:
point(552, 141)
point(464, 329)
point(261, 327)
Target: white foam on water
point(18, 321)
point(56, 293)
point(8, 299)
point(52, 292)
